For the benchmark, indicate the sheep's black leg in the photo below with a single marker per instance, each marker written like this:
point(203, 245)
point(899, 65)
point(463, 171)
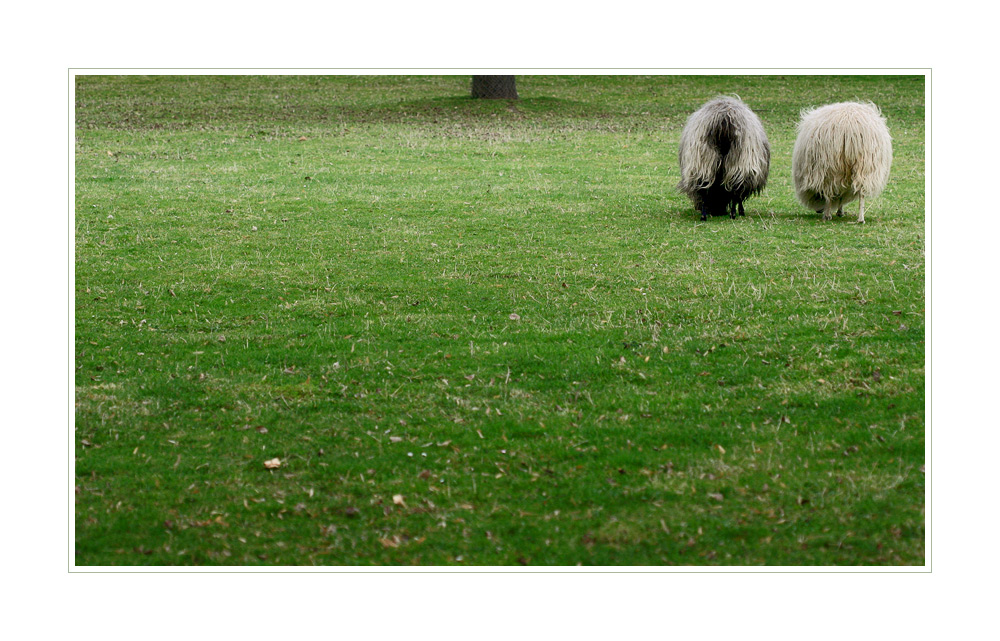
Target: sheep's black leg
point(704, 212)
point(732, 209)
point(840, 210)
point(742, 213)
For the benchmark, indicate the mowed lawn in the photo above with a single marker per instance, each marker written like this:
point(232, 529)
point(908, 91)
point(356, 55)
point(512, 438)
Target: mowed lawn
point(485, 332)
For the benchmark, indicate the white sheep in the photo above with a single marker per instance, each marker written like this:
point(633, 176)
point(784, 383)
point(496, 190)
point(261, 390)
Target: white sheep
point(843, 151)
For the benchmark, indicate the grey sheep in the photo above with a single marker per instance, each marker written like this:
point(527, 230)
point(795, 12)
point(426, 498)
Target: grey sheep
point(724, 156)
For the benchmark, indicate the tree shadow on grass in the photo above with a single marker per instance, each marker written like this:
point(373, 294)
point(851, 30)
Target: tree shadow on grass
point(231, 110)
point(467, 109)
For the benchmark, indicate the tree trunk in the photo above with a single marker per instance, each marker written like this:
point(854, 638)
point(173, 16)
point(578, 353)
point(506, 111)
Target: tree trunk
point(494, 87)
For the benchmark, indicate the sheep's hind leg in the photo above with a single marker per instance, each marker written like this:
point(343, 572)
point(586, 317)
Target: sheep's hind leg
point(732, 209)
point(742, 213)
point(840, 210)
point(826, 212)
point(861, 209)
point(704, 212)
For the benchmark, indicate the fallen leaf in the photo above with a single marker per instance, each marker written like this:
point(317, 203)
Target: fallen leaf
point(715, 495)
point(395, 439)
point(398, 499)
point(515, 317)
point(273, 464)
point(303, 138)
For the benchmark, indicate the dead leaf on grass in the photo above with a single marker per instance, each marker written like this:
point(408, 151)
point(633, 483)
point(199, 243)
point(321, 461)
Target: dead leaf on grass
point(273, 464)
point(397, 499)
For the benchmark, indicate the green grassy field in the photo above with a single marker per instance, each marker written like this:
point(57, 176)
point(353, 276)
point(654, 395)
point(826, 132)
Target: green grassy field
point(485, 333)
